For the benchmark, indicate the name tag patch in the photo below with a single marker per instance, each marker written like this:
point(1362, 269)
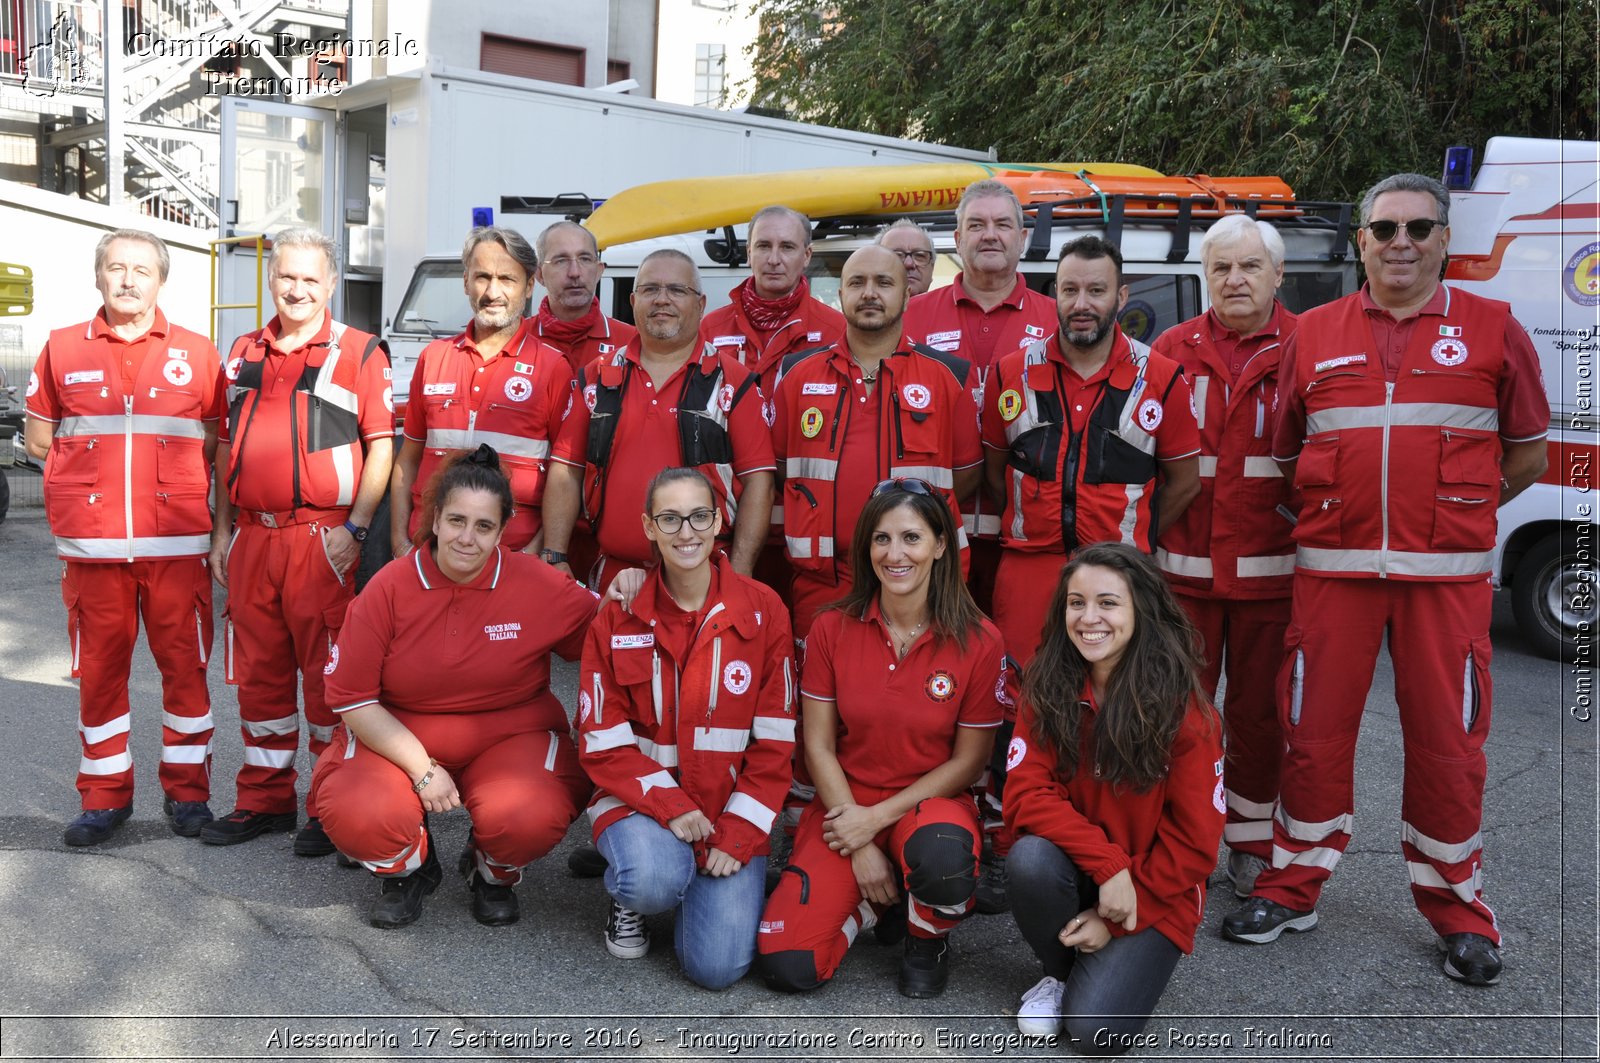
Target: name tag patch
point(1346, 359)
point(945, 341)
point(813, 337)
point(439, 389)
point(632, 642)
point(727, 341)
point(87, 376)
point(819, 389)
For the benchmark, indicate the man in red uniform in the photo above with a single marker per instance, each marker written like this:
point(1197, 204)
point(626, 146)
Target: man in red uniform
point(495, 383)
point(305, 457)
point(915, 247)
point(569, 315)
point(987, 311)
point(1089, 438)
point(1407, 413)
point(670, 399)
point(1229, 555)
point(837, 432)
point(772, 314)
point(125, 408)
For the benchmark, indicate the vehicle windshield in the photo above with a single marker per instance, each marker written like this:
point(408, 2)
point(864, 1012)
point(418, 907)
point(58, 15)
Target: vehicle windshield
point(434, 304)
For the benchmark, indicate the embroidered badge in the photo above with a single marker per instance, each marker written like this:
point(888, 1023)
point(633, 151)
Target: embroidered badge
point(388, 399)
point(178, 353)
point(1034, 331)
point(1334, 363)
point(916, 396)
point(1218, 801)
point(815, 388)
point(178, 372)
point(813, 337)
point(585, 706)
point(725, 398)
point(941, 686)
point(632, 642)
point(33, 385)
point(727, 341)
point(589, 397)
point(945, 341)
point(388, 373)
point(1010, 404)
point(87, 376)
point(736, 677)
point(769, 412)
point(439, 389)
point(522, 367)
point(333, 660)
point(519, 388)
point(1149, 415)
point(232, 368)
point(1448, 352)
point(604, 348)
point(1451, 331)
point(1015, 752)
point(811, 423)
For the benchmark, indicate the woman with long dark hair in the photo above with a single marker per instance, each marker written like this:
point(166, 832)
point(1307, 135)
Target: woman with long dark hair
point(900, 690)
point(1115, 794)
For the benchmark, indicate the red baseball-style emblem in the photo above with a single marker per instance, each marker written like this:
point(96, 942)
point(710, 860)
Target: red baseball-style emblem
point(941, 686)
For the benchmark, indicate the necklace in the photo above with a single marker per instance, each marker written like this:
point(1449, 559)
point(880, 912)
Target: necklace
point(905, 643)
point(866, 377)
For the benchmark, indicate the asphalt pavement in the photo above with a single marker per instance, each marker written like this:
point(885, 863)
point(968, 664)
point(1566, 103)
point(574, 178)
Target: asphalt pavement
point(156, 947)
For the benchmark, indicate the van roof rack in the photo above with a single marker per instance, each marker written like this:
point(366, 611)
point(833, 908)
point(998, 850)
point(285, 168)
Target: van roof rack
point(574, 205)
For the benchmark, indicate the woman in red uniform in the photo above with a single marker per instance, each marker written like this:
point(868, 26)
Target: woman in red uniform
point(1115, 794)
point(901, 692)
point(686, 718)
point(441, 678)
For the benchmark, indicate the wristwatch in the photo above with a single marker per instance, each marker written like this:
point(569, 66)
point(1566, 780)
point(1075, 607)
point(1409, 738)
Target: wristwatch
point(357, 532)
point(553, 557)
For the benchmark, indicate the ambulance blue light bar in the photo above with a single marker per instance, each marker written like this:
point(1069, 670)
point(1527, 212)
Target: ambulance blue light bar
point(482, 217)
point(1458, 168)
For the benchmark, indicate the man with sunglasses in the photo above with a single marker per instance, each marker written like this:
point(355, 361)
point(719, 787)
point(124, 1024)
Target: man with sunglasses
point(1407, 413)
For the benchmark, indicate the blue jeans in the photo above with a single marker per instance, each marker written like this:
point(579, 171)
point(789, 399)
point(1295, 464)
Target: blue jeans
point(650, 871)
point(1109, 994)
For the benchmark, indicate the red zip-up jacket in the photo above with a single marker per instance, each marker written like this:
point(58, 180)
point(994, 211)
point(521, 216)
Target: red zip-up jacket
point(1165, 837)
point(713, 731)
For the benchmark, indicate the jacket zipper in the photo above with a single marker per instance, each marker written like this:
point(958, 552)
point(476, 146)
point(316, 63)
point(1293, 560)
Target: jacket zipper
point(1383, 490)
point(127, 471)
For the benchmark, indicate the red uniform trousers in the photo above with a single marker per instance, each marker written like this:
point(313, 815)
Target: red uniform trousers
point(522, 787)
point(1249, 634)
point(1439, 642)
point(285, 607)
point(105, 603)
point(817, 909)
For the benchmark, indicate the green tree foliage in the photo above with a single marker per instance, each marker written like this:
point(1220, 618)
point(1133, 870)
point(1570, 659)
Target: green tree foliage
point(1329, 95)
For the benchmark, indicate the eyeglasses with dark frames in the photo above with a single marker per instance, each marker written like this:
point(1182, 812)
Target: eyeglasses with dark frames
point(671, 523)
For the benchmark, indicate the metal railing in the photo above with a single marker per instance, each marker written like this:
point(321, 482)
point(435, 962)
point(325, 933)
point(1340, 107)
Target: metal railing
point(260, 241)
point(52, 45)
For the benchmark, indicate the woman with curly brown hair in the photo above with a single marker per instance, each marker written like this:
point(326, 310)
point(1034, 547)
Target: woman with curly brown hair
point(1115, 793)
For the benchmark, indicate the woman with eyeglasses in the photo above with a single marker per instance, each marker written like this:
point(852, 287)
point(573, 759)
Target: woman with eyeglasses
point(441, 680)
point(1115, 794)
point(686, 722)
point(900, 690)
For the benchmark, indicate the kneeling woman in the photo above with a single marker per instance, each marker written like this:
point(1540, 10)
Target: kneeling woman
point(900, 692)
point(1115, 793)
point(686, 725)
point(441, 678)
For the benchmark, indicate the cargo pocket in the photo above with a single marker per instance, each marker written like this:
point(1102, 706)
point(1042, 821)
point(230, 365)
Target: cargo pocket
point(1468, 496)
point(1316, 474)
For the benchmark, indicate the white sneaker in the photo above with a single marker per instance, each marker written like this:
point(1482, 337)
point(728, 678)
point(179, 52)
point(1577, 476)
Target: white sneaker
point(1039, 1014)
point(627, 938)
point(1242, 871)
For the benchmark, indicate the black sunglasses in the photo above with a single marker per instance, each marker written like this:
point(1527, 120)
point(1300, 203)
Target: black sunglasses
point(1418, 229)
point(908, 484)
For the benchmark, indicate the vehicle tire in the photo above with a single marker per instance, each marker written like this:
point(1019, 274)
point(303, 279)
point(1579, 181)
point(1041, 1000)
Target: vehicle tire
point(5, 494)
point(1553, 598)
point(376, 551)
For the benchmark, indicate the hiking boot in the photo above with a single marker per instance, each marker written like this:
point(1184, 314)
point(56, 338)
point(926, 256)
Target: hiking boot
point(401, 900)
point(493, 903)
point(925, 968)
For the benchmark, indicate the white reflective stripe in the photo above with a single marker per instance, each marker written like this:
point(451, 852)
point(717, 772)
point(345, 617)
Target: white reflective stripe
point(1202, 385)
point(772, 729)
point(319, 733)
point(1395, 562)
point(187, 725)
point(1266, 565)
point(200, 637)
point(655, 779)
point(344, 470)
point(1314, 857)
point(1466, 694)
point(955, 911)
point(1130, 515)
point(401, 864)
point(283, 725)
point(1404, 414)
point(801, 548)
point(777, 514)
point(984, 525)
point(1253, 831)
point(1300, 830)
point(550, 756)
point(933, 474)
point(105, 765)
point(185, 754)
point(1208, 465)
point(517, 446)
point(811, 468)
point(609, 738)
point(602, 806)
point(1261, 465)
point(268, 758)
point(665, 754)
point(143, 424)
point(140, 546)
point(916, 920)
point(1017, 533)
point(1250, 809)
point(1186, 565)
point(1444, 852)
point(748, 808)
point(721, 739)
point(1428, 875)
point(447, 439)
point(100, 732)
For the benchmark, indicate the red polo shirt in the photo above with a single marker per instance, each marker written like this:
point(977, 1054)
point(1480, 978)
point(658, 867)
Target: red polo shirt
point(951, 320)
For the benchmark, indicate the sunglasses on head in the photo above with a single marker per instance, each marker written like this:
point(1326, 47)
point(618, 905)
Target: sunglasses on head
point(1418, 229)
point(908, 484)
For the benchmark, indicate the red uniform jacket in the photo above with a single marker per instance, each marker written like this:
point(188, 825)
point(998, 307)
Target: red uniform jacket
point(1165, 838)
point(668, 725)
point(815, 324)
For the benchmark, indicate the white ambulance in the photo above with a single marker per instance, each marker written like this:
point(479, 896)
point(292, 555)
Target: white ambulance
point(1526, 230)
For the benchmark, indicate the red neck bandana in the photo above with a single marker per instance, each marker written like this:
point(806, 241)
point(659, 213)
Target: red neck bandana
point(566, 332)
point(768, 314)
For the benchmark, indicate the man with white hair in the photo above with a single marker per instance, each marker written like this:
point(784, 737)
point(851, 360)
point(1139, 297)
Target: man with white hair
point(1229, 555)
point(914, 247)
point(304, 456)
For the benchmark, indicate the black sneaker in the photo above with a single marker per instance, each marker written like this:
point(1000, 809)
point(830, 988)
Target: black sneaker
point(925, 968)
point(187, 817)
point(312, 840)
point(993, 893)
point(241, 825)
point(96, 825)
point(586, 862)
point(401, 900)
point(1471, 958)
point(493, 904)
point(1260, 921)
